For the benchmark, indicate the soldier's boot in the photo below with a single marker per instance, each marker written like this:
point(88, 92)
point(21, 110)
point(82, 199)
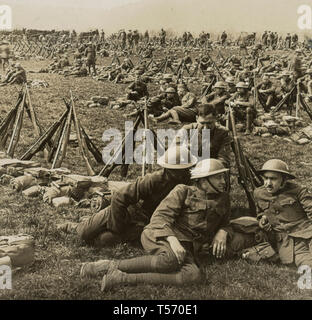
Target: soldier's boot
point(105, 239)
point(118, 277)
point(175, 117)
point(91, 269)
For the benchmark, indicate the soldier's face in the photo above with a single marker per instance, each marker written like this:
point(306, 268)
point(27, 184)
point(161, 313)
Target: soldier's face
point(213, 184)
point(273, 181)
point(181, 92)
point(207, 121)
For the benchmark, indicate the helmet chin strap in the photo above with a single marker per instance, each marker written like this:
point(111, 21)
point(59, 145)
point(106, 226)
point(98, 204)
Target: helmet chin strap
point(212, 186)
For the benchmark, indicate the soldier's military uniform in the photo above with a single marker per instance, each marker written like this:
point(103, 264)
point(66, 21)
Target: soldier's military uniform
point(137, 90)
point(91, 57)
point(219, 142)
point(133, 205)
point(245, 111)
point(217, 99)
point(289, 211)
point(187, 111)
point(266, 89)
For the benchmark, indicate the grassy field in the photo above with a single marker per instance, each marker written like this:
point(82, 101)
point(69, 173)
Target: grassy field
point(55, 272)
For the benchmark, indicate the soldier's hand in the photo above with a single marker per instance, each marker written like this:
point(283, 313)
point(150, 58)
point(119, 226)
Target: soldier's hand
point(264, 224)
point(219, 244)
point(177, 248)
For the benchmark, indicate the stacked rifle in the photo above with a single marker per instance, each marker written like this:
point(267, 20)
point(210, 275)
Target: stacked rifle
point(11, 126)
point(60, 130)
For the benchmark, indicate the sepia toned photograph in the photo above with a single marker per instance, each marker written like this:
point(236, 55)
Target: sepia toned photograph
point(155, 150)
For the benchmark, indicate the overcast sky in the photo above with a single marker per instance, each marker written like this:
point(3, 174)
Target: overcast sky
point(179, 15)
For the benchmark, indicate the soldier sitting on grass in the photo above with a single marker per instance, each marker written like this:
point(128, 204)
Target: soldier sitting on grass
point(133, 205)
point(191, 219)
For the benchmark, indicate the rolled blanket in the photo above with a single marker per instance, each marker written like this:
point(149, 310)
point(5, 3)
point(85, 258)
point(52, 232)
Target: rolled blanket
point(23, 182)
point(54, 192)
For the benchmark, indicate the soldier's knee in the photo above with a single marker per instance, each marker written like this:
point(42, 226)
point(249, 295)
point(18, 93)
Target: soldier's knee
point(167, 262)
point(82, 231)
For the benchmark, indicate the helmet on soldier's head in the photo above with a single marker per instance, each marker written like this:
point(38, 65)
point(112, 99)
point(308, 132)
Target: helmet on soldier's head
point(177, 157)
point(276, 165)
point(170, 90)
point(220, 84)
point(242, 85)
point(209, 70)
point(207, 168)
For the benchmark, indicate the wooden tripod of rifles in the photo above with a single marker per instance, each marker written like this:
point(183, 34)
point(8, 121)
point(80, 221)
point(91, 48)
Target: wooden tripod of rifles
point(111, 164)
point(11, 126)
point(58, 146)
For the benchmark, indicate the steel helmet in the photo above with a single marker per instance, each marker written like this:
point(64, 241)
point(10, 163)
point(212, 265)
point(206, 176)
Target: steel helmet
point(207, 167)
point(277, 165)
point(170, 90)
point(220, 84)
point(242, 85)
point(177, 157)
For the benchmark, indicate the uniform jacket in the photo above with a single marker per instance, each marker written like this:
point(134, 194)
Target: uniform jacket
point(138, 86)
point(188, 100)
point(190, 214)
point(289, 211)
point(217, 101)
point(148, 191)
point(220, 142)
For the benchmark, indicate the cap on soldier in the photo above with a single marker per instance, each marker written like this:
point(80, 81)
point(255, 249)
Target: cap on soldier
point(207, 167)
point(177, 157)
point(170, 90)
point(242, 85)
point(277, 165)
point(220, 84)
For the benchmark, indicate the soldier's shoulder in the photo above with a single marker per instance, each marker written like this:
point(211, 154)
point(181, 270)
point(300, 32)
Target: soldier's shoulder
point(222, 129)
